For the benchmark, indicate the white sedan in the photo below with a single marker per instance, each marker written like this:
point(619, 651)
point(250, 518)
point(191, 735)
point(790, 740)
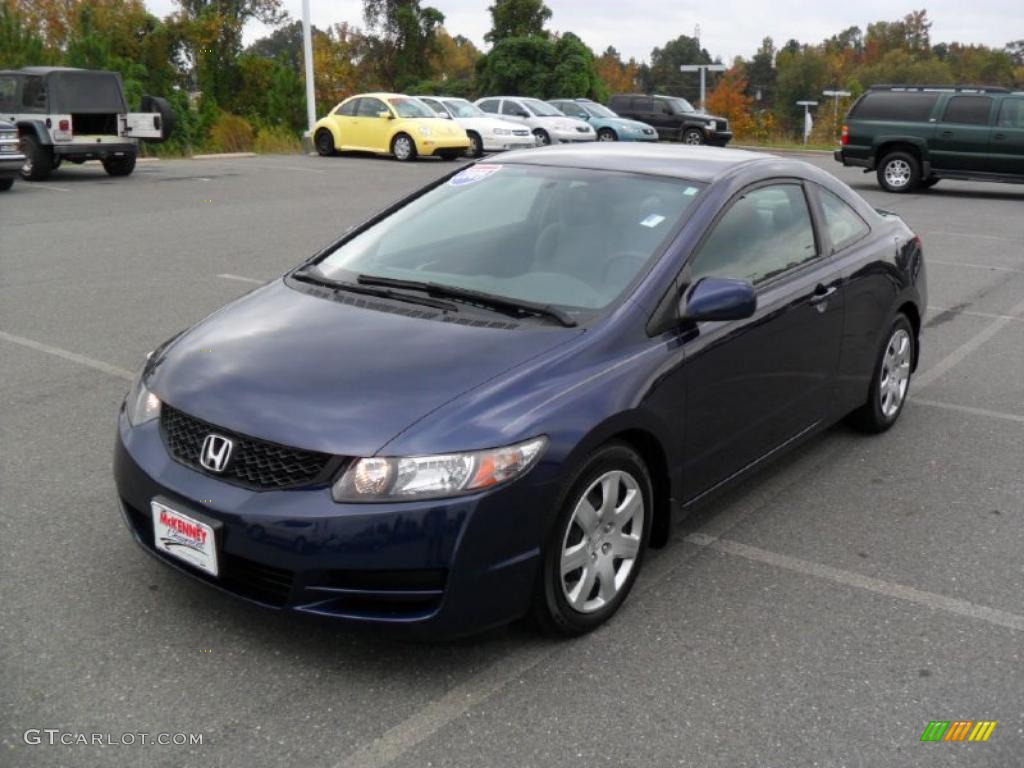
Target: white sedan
point(486, 133)
point(548, 124)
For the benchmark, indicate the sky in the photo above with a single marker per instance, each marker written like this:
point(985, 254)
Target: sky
point(729, 28)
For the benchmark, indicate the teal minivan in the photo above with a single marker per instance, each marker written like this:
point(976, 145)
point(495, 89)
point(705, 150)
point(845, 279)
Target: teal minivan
point(912, 136)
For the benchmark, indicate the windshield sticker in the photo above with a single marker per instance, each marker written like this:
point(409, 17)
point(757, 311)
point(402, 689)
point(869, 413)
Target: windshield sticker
point(690, 191)
point(473, 174)
point(652, 221)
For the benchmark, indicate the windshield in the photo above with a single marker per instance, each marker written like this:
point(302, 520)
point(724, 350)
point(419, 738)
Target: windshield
point(540, 108)
point(411, 108)
point(567, 237)
point(682, 105)
point(462, 108)
point(597, 110)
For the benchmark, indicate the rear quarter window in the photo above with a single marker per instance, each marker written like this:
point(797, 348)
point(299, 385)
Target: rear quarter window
point(897, 106)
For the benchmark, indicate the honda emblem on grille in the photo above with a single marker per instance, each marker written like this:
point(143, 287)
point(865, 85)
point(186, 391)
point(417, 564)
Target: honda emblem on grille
point(215, 452)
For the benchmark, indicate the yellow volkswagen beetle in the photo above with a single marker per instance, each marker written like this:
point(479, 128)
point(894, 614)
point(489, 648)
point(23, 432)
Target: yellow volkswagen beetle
point(388, 124)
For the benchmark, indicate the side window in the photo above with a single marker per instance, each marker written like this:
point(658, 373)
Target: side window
point(1011, 113)
point(33, 94)
point(435, 106)
point(766, 232)
point(664, 107)
point(489, 105)
point(575, 110)
point(969, 110)
point(643, 105)
point(8, 91)
point(348, 109)
point(844, 225)
point(371, 107)
point(512, 108)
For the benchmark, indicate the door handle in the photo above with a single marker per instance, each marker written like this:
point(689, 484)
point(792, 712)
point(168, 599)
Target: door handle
point(821, 296)
point(947, 134)
point(1000, 137)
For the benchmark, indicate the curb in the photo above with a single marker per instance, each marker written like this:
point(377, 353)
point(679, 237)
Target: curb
point(785, 150)
point(224, 156)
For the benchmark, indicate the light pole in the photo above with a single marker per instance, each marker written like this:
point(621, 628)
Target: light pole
point(836, 95)
point(703, 69)
point(307, 49)
point(807, 117)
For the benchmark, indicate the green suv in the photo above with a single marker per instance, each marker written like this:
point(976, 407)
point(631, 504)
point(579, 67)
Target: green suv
point(912, 136)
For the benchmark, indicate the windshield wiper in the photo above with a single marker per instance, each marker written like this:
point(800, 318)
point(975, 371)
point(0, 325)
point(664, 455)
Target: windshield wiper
point(508, 305)
point(308, 277)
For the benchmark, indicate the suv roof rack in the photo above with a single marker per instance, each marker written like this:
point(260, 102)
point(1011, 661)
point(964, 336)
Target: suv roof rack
point(949, 88)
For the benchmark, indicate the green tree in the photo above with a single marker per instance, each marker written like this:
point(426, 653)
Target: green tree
point(402, 38)
point(761, 75)
point(574, 71)
point(20, 45)
point(516, 66)
point(665, 63)
point(800, 75)
point(517, 18)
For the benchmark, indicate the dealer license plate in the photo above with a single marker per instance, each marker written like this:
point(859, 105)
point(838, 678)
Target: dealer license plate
point(185, 538)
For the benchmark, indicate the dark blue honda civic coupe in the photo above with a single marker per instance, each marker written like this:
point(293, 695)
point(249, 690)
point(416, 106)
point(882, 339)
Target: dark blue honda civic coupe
point(488, 401)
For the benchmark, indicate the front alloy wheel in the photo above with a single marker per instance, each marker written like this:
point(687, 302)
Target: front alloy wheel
point(693, 136)
point(403, 148)
point(542, 137)
point(596, 546)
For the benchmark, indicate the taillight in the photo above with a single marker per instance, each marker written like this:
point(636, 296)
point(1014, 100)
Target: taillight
point(844, 137)
point(65, 125)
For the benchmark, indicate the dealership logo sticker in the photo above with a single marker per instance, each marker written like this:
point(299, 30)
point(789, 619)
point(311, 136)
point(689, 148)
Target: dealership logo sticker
point(473, 174)
point(958, 730)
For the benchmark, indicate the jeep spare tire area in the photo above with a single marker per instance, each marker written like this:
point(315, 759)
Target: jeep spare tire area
point(162, 107)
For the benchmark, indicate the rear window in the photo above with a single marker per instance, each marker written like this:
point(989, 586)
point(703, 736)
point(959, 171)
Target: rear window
point(895, 105)
point(8, 89)
point(968, 110)
point(86, 92)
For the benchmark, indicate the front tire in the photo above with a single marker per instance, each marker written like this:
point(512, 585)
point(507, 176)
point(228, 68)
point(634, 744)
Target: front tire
point(38, 160)
point(891, 380)
point(324, 141)
point(476, 145)
point(693, 136)
point(542, 136)
point(607, 134)
point(595, 547)
point(119, 166)
point(6, 184)
point(899, 172)
point(403, 148)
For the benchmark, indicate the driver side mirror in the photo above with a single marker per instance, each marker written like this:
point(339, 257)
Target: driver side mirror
point(386, 114)
point(522, 113)
point(718, 298)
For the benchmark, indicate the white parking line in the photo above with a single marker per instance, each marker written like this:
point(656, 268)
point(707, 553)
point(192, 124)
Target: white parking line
point(969, 410)
point(929, 376)
point(74, 357)
point(931, 600)
point(974, 236)
point(975, 266)
point(972, 313)
point(242, 279)
point(50, 187)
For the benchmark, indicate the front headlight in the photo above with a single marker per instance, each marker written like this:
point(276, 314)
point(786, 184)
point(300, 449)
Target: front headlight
point(710, 125)
point(424, 130)
point(141, 405)
point(434, 477)
point(501, 132)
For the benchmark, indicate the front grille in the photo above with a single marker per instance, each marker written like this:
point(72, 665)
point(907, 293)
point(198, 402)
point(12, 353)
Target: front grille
point(253, 463)
point(523, 132)
point(403, 594)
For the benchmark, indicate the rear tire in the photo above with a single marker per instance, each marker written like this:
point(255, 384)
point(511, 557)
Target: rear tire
point(899, 172)
point(6, 184)
point(604, 512)
point(119, 166)
point(38, 160)
point(890, 383)
point(324, 141)
point(542, 136)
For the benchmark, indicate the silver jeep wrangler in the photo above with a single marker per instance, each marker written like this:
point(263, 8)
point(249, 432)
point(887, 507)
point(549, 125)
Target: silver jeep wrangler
point(78, 115)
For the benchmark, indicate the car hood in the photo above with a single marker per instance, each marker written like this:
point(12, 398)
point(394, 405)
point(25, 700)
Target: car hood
point(315, 373)
point(616, 122)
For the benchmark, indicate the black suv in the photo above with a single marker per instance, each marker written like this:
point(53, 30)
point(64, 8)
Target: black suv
point(912, 135)
point(673, 117)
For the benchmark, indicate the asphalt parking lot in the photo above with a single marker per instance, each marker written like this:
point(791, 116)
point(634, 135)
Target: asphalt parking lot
point(820, 615)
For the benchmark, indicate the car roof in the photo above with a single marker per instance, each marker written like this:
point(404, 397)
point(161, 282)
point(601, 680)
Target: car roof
point(381, 95)
point(45, 70)
point(694, 163)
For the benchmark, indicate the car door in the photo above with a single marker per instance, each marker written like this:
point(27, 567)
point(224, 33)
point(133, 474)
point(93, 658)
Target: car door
point(372, 131)
point(1007, 147)
point(755, 385)
point(347, 123)
point(963, 135)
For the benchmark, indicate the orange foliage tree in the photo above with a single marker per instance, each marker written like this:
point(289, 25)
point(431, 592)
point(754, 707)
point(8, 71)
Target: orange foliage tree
point(729, 99)
point(619, 76)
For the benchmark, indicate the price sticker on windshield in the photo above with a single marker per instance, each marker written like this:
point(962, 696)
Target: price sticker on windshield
point(473, 174)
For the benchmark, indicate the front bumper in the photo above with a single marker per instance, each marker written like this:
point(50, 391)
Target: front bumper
point(432, 145)
point(506, 143)
point(10, 165)
point(571, 137)
point(438, 568)
point(717, 138)
point(624, 136)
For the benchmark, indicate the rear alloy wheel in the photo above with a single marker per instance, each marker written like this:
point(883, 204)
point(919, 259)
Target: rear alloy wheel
point(403, 147)
point(119, 166)
point(476, 145)
point(899, 172)
point(542, 136)
point(891, 381)
point(693, 136)
point(597, 543)
point(324, 143)
point(38, 160)
point(607, 134)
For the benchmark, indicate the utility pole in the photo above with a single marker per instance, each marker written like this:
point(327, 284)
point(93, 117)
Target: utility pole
point(307, 50)
point(703, 69)
point(808, 122)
